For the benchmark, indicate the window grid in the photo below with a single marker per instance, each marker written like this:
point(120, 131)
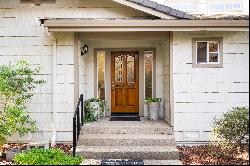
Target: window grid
point(208, 52)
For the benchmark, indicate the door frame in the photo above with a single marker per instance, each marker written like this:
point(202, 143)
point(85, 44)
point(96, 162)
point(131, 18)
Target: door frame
point(108, 74)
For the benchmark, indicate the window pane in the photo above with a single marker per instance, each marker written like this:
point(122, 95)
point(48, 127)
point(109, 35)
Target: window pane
point(119, 68)
point(101, 74)
point(213, 47)
point(217, 6)
point(201, 52)
point(228, 6)
point(213, 57)
point(236, 5)
point(148, 65)
point(130, 69)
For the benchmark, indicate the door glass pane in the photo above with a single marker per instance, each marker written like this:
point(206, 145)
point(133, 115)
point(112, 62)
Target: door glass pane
point(148, 66)
point(201, 52)
point(130, 69)
point(101, 74)
point(119, 68)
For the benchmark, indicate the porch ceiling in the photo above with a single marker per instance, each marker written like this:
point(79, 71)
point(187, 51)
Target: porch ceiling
point(81, 25)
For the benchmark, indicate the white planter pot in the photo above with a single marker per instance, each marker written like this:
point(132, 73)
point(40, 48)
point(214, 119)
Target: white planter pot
point(146, 114)
point(10, 154)
point(96, 109)
point(154, 109)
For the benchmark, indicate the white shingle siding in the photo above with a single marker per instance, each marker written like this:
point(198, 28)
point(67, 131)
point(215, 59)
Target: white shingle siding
point(202, 93)
point(22, 36)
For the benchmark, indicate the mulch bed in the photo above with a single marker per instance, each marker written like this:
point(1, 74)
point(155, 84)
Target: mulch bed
point(5, 147)
point(213, 155)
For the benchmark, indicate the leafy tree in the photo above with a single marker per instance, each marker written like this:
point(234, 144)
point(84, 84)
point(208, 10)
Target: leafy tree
point(16, 85)
point(232, 128)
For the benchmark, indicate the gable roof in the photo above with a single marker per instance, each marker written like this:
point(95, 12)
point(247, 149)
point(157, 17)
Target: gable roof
point(157, 9)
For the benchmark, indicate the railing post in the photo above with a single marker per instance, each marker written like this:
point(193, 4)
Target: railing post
point(74, 136)
point(82, 115)
point(78, 121)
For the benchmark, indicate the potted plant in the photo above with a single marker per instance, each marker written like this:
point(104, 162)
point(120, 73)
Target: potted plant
point(95, 108)
point(146, 111)
point(154, 108)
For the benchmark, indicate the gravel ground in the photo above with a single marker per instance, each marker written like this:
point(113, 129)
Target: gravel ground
point(212, 155)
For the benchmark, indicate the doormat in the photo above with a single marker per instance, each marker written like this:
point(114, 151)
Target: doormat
point(122, 162)
point(120, 118)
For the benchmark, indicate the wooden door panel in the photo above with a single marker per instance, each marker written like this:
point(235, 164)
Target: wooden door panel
point(131, 101)
point(119, 97)
point(124, 81)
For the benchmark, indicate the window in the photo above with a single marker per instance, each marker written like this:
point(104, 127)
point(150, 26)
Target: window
point(148, 71)
point(101, 74)
point(221, 6)
point(207, 52)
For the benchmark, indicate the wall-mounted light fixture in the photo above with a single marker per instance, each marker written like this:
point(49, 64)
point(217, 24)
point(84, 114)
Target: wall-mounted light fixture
point(84, 50)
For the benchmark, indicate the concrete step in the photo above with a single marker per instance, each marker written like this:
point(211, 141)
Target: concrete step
point(129, 152)
point(145, 126)
point(146, 162)
point(126, 140)
point(125, 129)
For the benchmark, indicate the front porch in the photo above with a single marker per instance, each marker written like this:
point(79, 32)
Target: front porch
point(102, 75)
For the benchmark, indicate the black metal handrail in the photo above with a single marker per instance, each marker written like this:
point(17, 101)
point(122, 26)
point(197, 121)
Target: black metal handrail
point(78, 122)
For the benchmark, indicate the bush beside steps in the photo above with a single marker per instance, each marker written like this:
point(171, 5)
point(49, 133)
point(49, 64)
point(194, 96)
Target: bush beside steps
point(39, 156)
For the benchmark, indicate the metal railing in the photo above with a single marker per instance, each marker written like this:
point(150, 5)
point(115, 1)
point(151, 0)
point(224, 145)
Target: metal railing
point(78, 122)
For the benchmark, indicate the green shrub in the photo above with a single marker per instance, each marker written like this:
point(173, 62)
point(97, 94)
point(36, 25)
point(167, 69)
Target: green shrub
point(89, 110)
point(46, 157)
point(17, 81)
point(15, 120)
point(232, 128)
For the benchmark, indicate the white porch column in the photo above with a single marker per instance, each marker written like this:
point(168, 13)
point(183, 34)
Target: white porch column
point(54, 98)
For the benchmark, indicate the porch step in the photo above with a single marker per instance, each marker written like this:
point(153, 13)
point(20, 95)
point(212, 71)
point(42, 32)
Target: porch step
point(126, 140)
point(147, 140)
point(104, 126)
point(129, 152)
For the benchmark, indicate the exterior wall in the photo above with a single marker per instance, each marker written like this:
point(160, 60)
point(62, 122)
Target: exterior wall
point(23, 36)
point(87, 79)
point(200, 94)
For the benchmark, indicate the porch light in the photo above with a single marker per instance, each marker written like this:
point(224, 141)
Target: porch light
point(84, 50)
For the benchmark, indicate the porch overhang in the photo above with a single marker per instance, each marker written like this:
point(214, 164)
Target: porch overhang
point(79, 25)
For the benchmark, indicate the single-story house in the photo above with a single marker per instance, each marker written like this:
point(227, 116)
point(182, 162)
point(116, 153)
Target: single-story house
point(126, 51)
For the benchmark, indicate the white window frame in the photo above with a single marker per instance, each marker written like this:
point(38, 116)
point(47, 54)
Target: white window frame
point(208, 52)
point(218, 64)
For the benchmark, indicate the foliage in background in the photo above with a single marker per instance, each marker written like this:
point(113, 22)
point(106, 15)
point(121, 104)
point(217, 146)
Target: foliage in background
point(90, 111)
point(232, 128)
point(46, 157)
point(16, 85)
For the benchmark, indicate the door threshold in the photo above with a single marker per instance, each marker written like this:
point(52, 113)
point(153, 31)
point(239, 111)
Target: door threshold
point(124, 114)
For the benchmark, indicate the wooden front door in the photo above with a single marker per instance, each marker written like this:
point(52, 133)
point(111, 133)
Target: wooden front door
point(125, 81)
